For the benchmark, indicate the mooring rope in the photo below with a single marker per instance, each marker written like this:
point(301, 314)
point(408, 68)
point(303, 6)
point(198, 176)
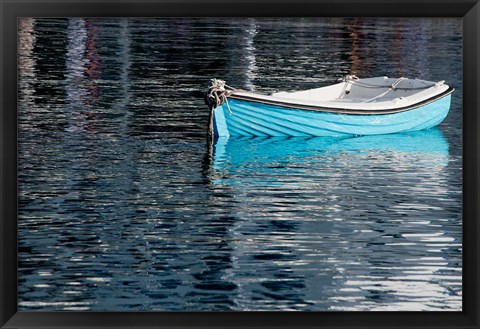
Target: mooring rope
point(354, 80)
point(217, 94)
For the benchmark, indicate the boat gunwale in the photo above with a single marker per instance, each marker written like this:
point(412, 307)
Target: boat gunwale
point(343, 110)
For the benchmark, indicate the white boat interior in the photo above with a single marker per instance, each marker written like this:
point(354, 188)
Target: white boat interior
point(352, 93)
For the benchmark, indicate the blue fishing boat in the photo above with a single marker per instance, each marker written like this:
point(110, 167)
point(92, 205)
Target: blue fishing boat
point(353, 106)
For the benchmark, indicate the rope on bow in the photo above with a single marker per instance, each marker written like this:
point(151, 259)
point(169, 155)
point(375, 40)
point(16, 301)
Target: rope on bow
point(217, 94)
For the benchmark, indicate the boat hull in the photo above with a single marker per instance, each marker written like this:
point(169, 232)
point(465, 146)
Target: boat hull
point(239, 117)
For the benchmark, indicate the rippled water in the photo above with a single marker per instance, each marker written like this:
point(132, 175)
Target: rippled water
point(124, 207)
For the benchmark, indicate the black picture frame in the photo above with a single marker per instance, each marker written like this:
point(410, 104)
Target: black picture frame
point(11, 10)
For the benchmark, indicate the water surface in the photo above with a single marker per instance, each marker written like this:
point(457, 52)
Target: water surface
point(124, 207)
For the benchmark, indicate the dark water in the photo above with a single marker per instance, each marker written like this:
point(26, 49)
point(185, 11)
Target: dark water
point(123, 207)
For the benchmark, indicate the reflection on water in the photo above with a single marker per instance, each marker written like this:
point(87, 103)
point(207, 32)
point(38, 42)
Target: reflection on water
point(325, 216)
point(273, 161)
point(425, 144)
point(123, 207)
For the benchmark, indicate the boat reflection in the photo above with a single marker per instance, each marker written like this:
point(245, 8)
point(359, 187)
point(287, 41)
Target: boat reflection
point(297, 195)
point(236, 157)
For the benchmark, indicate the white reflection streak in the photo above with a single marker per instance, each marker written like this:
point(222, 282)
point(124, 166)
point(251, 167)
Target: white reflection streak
point(75, 62)
point(250, 74)
point(26, 42)
point(417, 288)
point(26, 62)
point(124, 57)
point(413, 293)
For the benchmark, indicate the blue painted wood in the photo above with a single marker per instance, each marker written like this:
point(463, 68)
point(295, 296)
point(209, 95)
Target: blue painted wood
point(257, 119)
